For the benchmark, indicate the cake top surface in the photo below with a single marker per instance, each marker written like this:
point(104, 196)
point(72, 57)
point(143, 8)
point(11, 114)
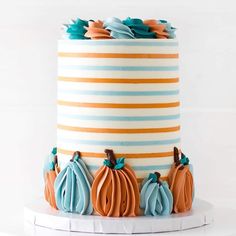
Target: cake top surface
point(114, 28)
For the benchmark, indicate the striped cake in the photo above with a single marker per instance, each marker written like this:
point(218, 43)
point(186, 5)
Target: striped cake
point(122, 95)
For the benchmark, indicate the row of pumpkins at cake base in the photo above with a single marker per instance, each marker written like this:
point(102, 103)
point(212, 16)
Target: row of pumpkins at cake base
point(114, 190)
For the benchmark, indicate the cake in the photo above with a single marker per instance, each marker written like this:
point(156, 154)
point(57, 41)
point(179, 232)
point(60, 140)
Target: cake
point(118, 91)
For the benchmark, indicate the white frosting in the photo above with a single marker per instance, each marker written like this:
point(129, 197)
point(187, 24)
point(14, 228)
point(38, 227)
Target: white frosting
point(91, 129)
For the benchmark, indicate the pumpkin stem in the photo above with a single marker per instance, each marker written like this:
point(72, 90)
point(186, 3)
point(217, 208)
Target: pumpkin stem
point(110, 156)
point(55, 160)
point(176, 156)
point(158, 175)
point(76, 155)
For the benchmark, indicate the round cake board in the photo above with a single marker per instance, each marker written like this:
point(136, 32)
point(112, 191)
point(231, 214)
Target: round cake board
point(39, 213)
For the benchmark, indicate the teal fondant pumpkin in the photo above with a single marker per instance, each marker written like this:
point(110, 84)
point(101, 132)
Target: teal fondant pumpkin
point(72, 187)
point(156, 197)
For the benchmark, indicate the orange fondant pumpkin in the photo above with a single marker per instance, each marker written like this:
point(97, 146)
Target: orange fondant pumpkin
point(115, 189)
point(180, 180)
point(50, 177)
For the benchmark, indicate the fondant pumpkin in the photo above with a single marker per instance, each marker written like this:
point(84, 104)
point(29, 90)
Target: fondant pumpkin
point(156, 197)
point(50, 174)
point(181, 183)
point(115, 188)
point(73, 186)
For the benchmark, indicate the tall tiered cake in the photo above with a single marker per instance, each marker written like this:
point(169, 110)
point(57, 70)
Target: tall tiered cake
point(118, 128)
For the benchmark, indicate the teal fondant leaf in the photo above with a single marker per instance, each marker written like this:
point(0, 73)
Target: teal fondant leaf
point(76, 157)
point(54, 151)
point(153, 177)
point(119, 166)
point(184, 160)
point(120, 160)
point(107, 163)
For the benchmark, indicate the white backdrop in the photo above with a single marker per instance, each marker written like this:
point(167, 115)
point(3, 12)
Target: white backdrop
point(29, 30)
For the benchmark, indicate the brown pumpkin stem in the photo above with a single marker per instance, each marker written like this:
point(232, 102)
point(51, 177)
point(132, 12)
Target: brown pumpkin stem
point(55, 161)
point(176, 156)
point(76, 153)
point(158, 175)
point(110, 156)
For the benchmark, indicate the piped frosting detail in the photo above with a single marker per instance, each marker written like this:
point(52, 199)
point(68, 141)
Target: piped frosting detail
point(157, 28)
point(95, 30)
point(73, 186)
point(168, 28)
point(114, 28)
point(115, 190)
point(118, 29)
point(77, 30)
point(156, 197)
point(180, 180)
point(139, 29)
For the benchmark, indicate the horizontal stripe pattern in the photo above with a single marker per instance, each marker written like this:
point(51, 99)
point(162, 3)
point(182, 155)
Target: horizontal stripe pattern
point(119, 93)
point(119, 68)
point(119, 131)
point(124, 106)
point(118, 155)
point(116, 55)
point(119, 118)
point(119, 143)
point(119, 80)
point(122, 95)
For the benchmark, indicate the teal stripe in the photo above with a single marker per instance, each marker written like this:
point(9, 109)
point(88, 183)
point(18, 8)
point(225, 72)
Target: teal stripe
point(119, 93)
point(123, 43)
point(120, 68)
point(138, 168)
point(119, 143)
point(119, 118)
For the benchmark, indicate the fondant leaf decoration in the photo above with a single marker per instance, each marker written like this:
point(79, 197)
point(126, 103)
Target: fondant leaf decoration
point(156, 197)
point(120, 160)
point(107, 163)
point(115, 190)
point(184, 160)
point(119, 166)
point(73, 186)
point(120, 163)
point(152, 177)
point(180, 180)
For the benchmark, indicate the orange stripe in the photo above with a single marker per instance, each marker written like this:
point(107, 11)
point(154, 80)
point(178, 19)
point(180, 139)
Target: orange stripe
point(120, 80)
point(119, 131)
point(117, 55)
point(118, 155)
point(117, 105)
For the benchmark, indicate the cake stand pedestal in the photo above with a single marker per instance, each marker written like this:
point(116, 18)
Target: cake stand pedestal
point(39, 213)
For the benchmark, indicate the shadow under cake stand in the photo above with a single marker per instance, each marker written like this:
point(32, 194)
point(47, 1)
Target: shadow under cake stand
point(39, 213)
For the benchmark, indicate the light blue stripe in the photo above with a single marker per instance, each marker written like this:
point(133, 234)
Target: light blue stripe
point(119, 143)
point(139, 168)
point(119, 93)
point(124, 43)
point(120, 68)
point(119, 118)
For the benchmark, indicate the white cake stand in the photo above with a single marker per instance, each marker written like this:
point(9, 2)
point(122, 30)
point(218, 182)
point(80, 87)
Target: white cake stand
point(39, 213)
